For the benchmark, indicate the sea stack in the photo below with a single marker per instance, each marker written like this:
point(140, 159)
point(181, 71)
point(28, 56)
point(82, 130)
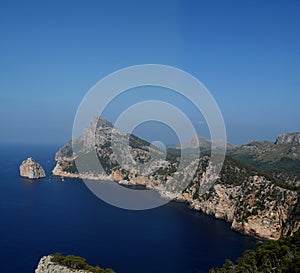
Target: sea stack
point(31, 169)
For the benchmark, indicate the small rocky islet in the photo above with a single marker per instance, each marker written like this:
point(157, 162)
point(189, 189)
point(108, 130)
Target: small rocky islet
point(31, 169)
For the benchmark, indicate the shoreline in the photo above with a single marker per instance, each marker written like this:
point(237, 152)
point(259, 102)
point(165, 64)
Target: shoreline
point(209, 208)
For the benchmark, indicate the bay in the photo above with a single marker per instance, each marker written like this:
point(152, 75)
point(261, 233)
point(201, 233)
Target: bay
point(48, 215)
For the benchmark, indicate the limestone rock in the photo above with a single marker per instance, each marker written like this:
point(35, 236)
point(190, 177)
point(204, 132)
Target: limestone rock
point(256, 207)
point(46, 266)
point(31, 169)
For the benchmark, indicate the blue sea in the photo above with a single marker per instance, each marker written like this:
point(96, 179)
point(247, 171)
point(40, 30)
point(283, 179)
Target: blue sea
point(48, 216)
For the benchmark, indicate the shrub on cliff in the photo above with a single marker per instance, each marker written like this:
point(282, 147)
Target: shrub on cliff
point(76, 262)
point(282, 256)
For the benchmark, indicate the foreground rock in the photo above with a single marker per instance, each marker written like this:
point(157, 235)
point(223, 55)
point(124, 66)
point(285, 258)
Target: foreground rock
point(57, 263)
point(47, 266)
point(31, 169)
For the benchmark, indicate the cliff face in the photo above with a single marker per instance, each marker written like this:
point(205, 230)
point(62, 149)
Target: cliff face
point(255, 203)
point(256, 207)
point(31, 169)
point(46, 266)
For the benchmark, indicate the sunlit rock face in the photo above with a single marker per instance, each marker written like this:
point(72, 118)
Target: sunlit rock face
point(46, 266)
point(31, 169)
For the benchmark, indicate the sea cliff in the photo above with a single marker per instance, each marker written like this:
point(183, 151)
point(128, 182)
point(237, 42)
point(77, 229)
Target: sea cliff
point(254, 202)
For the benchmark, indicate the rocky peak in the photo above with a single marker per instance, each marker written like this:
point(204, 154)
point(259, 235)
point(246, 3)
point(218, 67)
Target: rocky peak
point(293, 138)
point(102, 122)
point(31, 169)
point(99, 129)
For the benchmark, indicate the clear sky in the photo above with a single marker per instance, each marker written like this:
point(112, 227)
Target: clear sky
point(247, 53)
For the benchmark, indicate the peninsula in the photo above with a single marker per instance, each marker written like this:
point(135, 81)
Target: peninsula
point(257, 196)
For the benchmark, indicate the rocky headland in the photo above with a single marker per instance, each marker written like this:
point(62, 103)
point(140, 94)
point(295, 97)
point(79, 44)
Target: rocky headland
point(31, 169)
point(261, 203)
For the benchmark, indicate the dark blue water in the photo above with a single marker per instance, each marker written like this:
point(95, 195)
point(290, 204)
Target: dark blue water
point(47, 216)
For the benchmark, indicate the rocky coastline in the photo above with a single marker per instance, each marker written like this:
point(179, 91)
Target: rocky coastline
point(253, 202)
point(264, 218)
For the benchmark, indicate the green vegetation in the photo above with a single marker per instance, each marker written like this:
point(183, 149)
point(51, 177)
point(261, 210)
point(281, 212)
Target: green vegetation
point(270, 157)
point(282, 256)
point(235, 172)
point(70, 166)
point(76, 262)
point(67, 150)
point(138, 143)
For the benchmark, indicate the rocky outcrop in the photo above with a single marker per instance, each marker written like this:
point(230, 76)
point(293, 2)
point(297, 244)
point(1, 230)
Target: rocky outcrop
point(293, 138)
point(31, 169)
point(57, 263)
point(47, 266)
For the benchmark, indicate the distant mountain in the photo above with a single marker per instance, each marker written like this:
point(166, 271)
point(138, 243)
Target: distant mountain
point(292, 138)
point(280, 158)
point(203, 143)
point(255, 201)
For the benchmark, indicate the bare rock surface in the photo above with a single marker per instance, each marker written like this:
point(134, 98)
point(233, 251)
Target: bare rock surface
point(31, 169)
point(46, 266)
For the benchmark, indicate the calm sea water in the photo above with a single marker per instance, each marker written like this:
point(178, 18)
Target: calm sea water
point(48, 215)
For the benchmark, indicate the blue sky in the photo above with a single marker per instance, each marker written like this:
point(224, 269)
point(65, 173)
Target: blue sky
point(247, 53)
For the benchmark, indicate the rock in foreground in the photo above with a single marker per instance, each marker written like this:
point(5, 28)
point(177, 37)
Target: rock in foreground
point(31, 169)
point(56, 263)
point(47, 266)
